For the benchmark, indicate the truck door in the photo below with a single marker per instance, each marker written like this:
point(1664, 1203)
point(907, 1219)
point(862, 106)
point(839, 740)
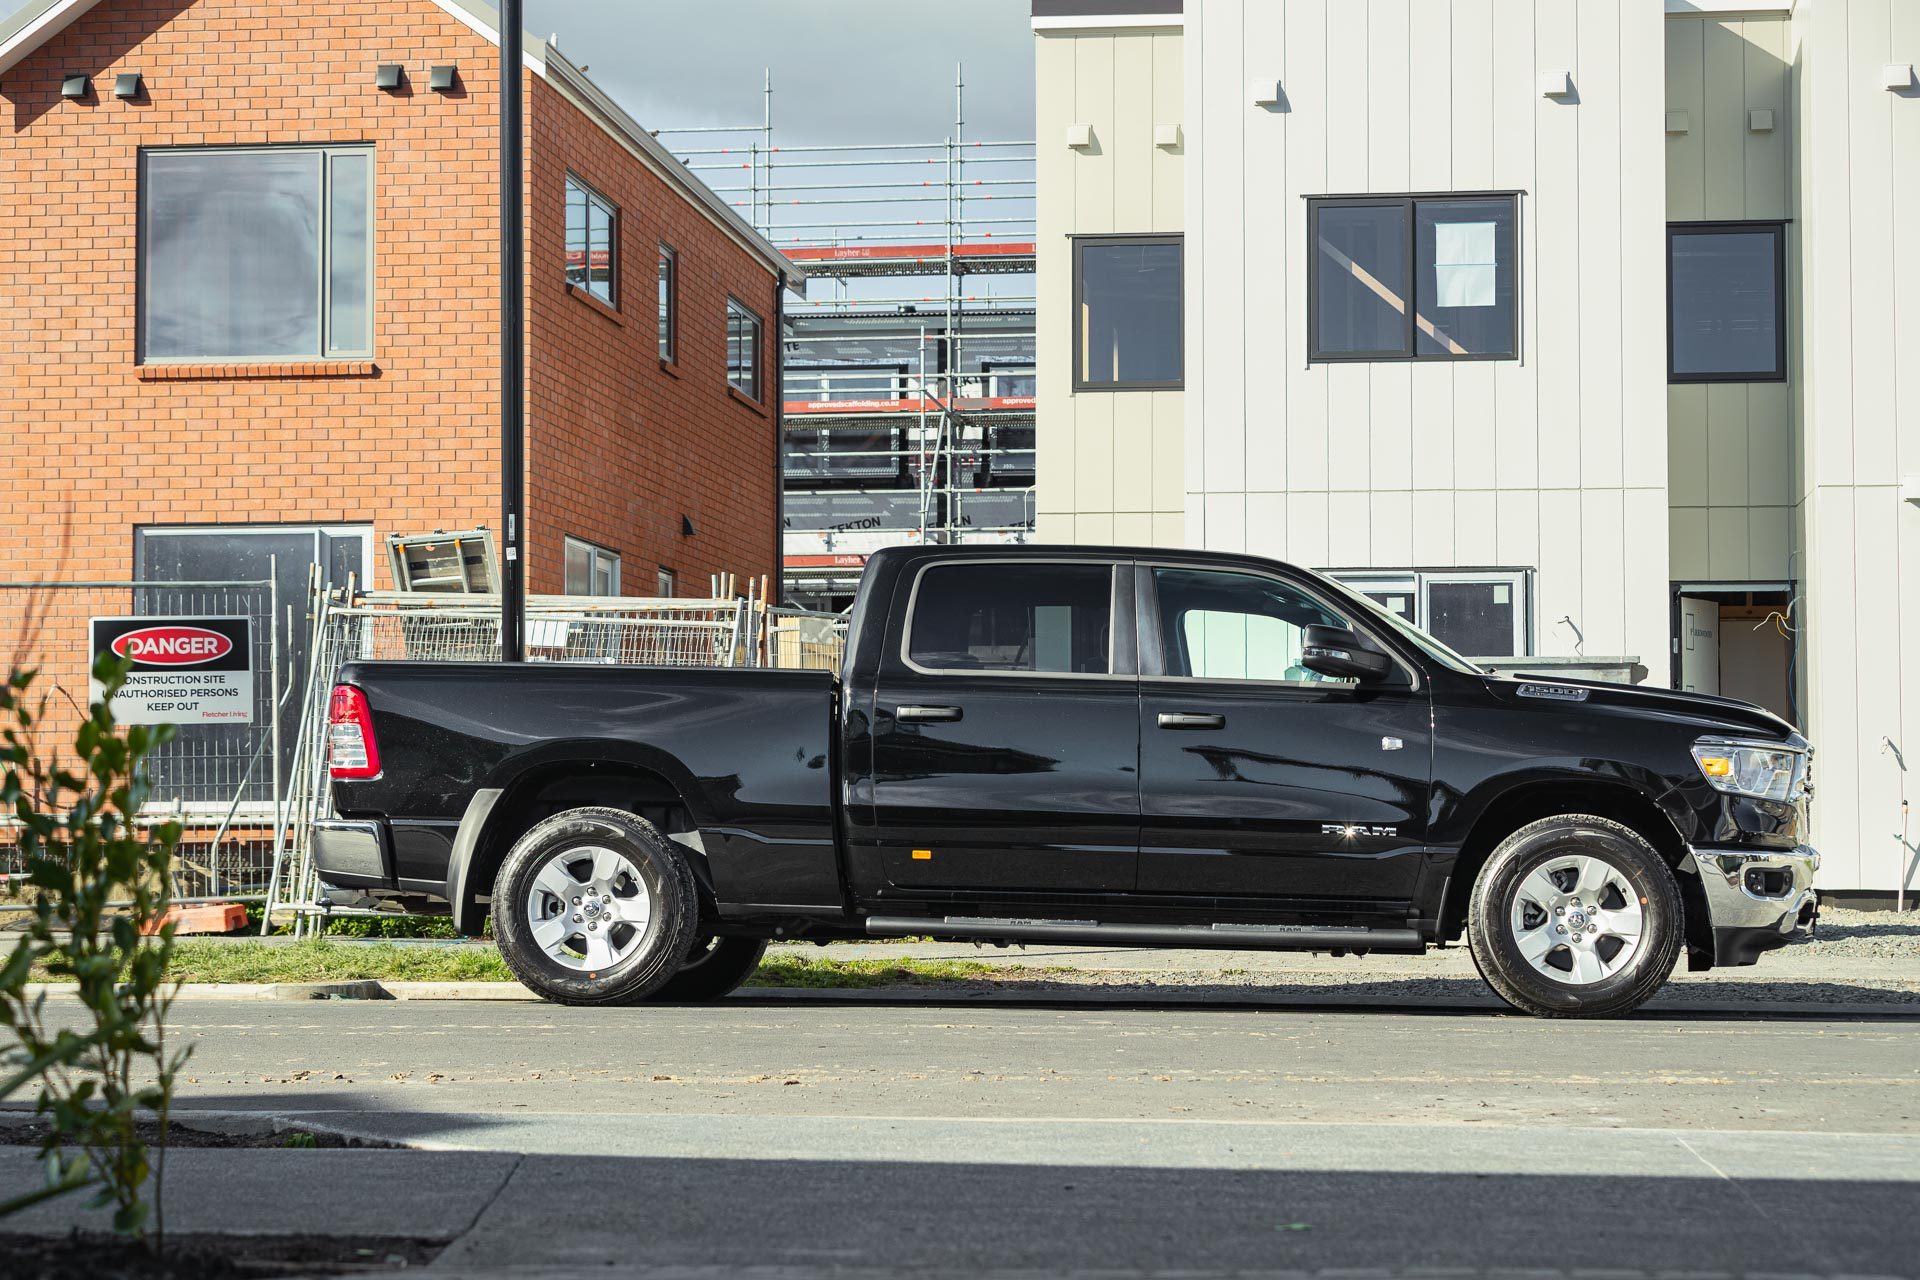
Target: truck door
point(1005, 730)
point(1258, 777)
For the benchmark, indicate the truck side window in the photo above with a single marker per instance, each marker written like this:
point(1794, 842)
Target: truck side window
point(1012, 617)
point(1235, 626)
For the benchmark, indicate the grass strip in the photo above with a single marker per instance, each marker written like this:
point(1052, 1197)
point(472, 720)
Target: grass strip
point(318, 960)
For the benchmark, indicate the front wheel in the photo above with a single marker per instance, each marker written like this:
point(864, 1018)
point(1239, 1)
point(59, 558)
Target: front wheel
point(1575, 916)
point(594, 907)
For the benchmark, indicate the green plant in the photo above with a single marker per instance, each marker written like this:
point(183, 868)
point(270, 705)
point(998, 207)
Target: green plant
point(76, 829)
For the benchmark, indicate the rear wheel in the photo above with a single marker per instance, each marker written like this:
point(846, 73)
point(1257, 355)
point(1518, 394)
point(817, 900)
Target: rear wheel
point(594, 906)
point(713, 968)
point(1575, 916)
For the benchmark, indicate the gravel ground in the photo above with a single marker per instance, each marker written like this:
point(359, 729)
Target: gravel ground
point(1882, 935)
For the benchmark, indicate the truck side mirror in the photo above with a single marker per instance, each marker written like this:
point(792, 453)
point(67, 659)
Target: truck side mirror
point(1340, 653)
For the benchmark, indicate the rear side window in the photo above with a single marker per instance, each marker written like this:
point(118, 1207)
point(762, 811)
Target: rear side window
point(1036, 618)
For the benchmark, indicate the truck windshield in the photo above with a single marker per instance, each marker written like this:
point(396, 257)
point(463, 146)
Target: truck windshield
point(1406, 630)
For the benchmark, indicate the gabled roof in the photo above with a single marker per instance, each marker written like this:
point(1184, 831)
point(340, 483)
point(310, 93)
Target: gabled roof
point(38, 21)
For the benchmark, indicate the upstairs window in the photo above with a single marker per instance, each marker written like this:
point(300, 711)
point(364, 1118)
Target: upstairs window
point(743, 350)
point(669, 303)
point(593, 242)
point(256, 253)
point(1726, 318)
point(1126, 313)
point(1412, 278)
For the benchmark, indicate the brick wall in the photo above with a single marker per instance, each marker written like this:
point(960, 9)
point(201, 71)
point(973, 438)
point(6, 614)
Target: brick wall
point(406, 441)
point(621, 445)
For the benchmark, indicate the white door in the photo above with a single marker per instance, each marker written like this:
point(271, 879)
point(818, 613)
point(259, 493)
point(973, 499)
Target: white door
point(1699, 645)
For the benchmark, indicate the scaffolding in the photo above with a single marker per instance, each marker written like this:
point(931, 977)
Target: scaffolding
point(908, 365)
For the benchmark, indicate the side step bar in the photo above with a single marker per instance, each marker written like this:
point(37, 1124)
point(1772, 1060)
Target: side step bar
point(1238, 937)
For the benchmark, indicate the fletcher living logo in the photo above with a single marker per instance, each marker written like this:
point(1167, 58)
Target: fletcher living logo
point(172, 646)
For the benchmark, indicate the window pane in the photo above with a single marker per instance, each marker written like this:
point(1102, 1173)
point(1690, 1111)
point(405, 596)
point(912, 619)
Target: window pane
point(1129, 313)
point(350, 270)
point(600, 247)
point(579, 569)
point(1361, 302)
point(1466, 293)
point(743, 350)
point(663, 583)
point(232, 255)
point(1233, 626)
point(1007, 617)
point(576, 234)
point(666, 304)
point(1473, 618)
point(1725, 303)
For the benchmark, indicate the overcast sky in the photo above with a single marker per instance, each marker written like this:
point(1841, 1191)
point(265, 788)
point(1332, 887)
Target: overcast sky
point(843, 70)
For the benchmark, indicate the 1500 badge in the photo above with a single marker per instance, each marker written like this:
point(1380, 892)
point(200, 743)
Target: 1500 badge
point(1351, 829)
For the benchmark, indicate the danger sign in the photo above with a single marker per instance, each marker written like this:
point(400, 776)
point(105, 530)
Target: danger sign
point(185, 670)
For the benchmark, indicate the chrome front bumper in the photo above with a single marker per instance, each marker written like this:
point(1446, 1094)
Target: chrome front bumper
point(1757, 899)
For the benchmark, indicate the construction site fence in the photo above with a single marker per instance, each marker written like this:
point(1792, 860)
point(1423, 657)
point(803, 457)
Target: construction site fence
point(416, 627)
point(222, 783)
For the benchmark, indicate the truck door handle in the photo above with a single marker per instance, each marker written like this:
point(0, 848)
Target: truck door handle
point(926, 713)
point(1192, 720)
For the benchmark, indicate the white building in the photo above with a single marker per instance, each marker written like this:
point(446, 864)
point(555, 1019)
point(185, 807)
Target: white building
point(1585, 332)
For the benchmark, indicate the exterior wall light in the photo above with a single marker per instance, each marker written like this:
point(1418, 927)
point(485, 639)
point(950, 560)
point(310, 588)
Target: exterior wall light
point(1079, 135)
point(443, 79)
point(1760, 120)
point(1166, 135)
point(76, 87)
point(1266, 93)
point(1897, 76)
point(126, 85)
point(1556, 84)
point(1677, 122)
point(389, 76)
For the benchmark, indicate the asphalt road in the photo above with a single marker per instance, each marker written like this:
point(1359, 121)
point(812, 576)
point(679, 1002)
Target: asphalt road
point(996, 1132)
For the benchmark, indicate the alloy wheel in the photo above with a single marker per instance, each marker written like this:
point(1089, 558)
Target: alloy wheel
point(588, 908)
point(1577, 919)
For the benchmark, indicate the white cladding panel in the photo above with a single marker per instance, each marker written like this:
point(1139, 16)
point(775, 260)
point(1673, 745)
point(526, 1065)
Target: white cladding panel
point(1550, 462)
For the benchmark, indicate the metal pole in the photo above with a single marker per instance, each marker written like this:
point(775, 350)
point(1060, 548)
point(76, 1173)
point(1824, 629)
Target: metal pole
point(766, 145)
point(512, 341)
point(273, 692)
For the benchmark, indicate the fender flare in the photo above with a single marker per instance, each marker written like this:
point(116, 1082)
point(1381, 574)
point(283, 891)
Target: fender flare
point(468, 918)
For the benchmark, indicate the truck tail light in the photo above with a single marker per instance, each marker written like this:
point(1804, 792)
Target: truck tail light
point(351, 750)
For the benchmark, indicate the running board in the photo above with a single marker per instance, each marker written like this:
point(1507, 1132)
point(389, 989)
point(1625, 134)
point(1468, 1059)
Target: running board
point(1238, 937)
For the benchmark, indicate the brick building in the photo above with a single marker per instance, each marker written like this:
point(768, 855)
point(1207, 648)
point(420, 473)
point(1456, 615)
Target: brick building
point(249, 302)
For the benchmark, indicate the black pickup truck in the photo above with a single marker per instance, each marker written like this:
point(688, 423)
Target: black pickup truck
point(1076, 745)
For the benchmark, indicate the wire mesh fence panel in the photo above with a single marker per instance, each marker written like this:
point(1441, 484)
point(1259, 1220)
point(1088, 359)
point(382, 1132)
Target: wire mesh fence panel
point(220, 780)
point(804, 641)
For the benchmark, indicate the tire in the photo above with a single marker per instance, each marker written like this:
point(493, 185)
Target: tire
point(594, 907)
point(1536, 936)
point(713, 968)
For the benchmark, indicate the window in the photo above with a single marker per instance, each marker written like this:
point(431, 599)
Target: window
point(743, 350)
point(1126, 313)
point(1726, 306)
point(1038, 618)
point(669, 302)
point(1236, 626)
point(1412, 278)
point(663, 583)
point(256, 253)
point(1480, 613)
point(591, 570)
point(593, 242)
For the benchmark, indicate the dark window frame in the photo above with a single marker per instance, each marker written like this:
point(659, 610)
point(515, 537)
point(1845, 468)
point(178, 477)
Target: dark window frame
point(594, 196)
point(1778, 228)
point(757, 369)
point(1080, 244)
point(669, 317)
point(1122, 649)
point(1409, 352)
point(328, 350)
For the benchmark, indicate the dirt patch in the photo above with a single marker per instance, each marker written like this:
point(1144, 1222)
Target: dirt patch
point(196, 1257)
point(32, 1131)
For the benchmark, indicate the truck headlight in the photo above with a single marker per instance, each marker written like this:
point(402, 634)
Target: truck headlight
point(1764, 770)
